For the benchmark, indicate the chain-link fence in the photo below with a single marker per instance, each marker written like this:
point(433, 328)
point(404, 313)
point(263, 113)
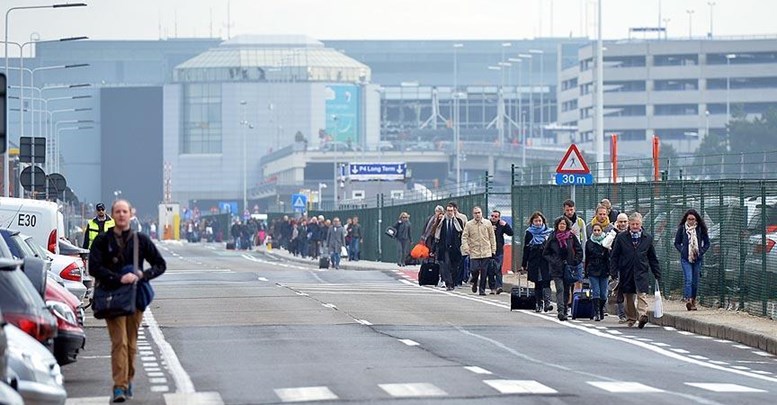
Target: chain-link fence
point(740, 268)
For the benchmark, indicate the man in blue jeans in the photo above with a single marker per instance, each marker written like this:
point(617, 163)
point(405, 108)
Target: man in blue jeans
point(355, 232)
point(501, 228)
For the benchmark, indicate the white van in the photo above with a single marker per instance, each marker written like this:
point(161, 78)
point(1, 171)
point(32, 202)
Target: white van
point(39, 219)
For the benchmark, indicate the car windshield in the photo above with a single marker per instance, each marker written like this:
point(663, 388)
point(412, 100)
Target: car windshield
point(39, 251)
point(4, 250)
point(22, 246)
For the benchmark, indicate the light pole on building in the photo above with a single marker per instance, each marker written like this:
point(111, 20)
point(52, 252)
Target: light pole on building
point(244, 129)
point(541, 54)
point(690, 23)
point(321, 186)
point(729, 57)
point(456, 125)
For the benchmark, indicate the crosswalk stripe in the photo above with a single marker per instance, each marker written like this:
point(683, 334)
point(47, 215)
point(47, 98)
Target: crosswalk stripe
point(194, 398)
point(724, 387)
point(301, 394)
point(520, 387)
point(477, 370)
point(413, 390)
point(88, 401)
point(623, 387)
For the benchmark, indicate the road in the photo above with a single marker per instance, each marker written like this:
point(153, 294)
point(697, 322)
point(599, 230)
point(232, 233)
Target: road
point(245, 328)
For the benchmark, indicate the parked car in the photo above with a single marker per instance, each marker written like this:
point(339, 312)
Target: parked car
point(23, 305)
point(36, 372)
point(8, 394)
point(68, 271)
point(70, 322)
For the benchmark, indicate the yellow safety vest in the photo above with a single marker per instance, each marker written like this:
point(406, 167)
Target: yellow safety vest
point(93, 229)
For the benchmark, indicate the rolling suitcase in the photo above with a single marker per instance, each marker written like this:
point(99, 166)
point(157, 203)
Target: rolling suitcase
point(323, 262)
point(522, 297)
point(582, 304)
point(429, 274)
point(230, 245)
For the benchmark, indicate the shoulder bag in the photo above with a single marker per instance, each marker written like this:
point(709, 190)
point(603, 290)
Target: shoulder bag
point(113, 303)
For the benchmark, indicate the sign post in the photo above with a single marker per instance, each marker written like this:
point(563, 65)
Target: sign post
point(573, 170)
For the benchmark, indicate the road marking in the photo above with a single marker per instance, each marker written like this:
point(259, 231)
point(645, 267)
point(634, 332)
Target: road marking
point(723, 387)
point(681, 351)
point(151, 364)
point(93, 357)
point(614, 332)
point(195, 398)
point(723, 341)
point(685, 332)
point(742, 346)
point(183, 382)
point(644, 340)
point(152, 369)
point(660, 344)
point(302, 394)
point(623, 387)
point(718, 362)
point(158, 380)
point(520, 387)
point(669, 328)
point(263, 279)
point(88, 401)
point(363, 322)
point(412, 390)
point(601, 327)
point(332, 306)
point(409, 342)
point(741, 367)
point(159, 388)
point(703, 337)
point(698, 357)
point(764, 354)
point(155, 374)
point(761, 372)
point(477, 370)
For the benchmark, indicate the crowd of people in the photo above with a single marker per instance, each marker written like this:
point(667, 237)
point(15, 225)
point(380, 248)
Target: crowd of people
point(317, 236)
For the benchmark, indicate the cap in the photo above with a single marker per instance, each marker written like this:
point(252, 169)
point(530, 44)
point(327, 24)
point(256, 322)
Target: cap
point(100, 207)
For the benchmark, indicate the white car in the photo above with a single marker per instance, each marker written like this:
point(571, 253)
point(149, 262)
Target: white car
point(35, 369)
point(68, 271)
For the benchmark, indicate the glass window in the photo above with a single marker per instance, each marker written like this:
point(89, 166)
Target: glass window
point(741, 58)
point(678, 134)
point(202, 118)
point(624, 86)
point(624, 61)
point(676, 109)
point(742, 83)
point(676, 85)
point(629, 134)
point(676, 60)
point(624, 110)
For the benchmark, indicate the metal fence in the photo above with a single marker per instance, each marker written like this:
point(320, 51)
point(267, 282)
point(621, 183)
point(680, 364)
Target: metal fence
point(740, 269)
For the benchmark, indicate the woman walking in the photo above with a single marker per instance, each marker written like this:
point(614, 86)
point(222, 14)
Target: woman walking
point(534, 264)
point(403, 238)
point(111, 260)
point(692, 241)
point(597, 269)
point(563, 253)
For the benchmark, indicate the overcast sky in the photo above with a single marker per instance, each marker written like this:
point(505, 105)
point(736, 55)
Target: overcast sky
point(385, 19)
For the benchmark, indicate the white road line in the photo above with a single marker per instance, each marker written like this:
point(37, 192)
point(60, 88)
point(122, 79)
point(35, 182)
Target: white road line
point(685, 332)
point(614, 332)
point(93, 357)
point(601, 327)
point(659, 344)
point(698, 357)
point(519, 387)
point(363, 322)
point(88, 401)
point(263, 279)
point(409, 342)
point(741, 367)
point(722, 341)
point(332, 306)
point(669, 328)
point(412, 390)
point(681, 351)
point(742, 346)
point(155, 374)
point(150, 364)
point(723, 387)
point(159, 388)
point(477, 370)
point(157, 380)
point(644, 340)
point(761, 372)
point(703, 337)
point(764, 354)
point(183, 383)
point(623, 387)
point(198, 398)
point(718, 362)
point(302, 394)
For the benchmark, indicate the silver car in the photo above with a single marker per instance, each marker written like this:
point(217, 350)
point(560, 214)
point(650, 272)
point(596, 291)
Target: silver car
point(38, 376)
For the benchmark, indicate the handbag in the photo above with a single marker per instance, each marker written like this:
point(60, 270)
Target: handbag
point(420, 251)
point(391, 232)
point(343, 251)
point(145, 292)
point(658, 305)
point(570, 274)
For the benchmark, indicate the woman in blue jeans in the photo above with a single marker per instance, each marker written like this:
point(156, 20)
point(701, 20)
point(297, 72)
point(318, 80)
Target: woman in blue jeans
point(597, 269)
point(692, 241)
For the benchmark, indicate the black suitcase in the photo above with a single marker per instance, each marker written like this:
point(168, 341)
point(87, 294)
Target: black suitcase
point(230, 245)
point(429, 274)
point(522, 297)
point(323, 262)
point(582, 304)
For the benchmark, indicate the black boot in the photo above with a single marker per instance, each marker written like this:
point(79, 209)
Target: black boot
point(546, 297)
point(596, 310)
point(538, 305)
point(602, 305)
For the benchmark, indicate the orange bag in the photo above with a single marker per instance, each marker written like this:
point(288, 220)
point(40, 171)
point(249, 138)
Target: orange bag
point(420, 251)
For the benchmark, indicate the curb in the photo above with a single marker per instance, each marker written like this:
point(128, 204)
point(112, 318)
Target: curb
point(745, 337)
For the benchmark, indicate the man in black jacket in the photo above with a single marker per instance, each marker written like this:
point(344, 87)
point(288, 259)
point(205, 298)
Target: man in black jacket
point(448, 252)
point(633, 256)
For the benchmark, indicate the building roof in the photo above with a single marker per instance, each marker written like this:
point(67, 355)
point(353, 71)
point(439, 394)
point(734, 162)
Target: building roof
point(272, 58)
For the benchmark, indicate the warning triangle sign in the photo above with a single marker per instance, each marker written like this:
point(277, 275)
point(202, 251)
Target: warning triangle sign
point(573, 162)
point(299, 203)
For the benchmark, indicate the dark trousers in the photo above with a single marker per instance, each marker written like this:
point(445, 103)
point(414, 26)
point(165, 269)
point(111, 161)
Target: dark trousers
point(449, 268)
point(481, 268)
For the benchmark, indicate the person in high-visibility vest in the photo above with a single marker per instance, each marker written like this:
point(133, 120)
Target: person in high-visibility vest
point(98, 225)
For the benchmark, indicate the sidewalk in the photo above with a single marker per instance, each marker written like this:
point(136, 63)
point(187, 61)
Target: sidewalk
point(736, 326)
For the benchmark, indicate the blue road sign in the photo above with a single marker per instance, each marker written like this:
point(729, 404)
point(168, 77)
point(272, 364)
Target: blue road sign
point(574, 179)
point(377, 171)
point(299, 202)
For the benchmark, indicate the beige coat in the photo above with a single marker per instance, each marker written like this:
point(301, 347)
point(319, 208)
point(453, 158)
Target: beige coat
point(478, 240)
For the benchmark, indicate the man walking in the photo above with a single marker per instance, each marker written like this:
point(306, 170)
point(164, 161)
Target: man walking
point(479, 243)
point(355, 231)
point(633, 255)
point(98, 225)
point(448, 254)
point(501, 228)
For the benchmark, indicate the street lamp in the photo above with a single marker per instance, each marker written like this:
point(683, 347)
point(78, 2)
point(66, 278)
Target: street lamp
point(320, 194)
point(456, 125)
point(244, 124)
point(116, 194)
point(707, 123)
point(729, 57)
point(60, 130)
point(690, 23)
point(6, 178)
point(542, 90)
point(55, 153)
point(712, 5)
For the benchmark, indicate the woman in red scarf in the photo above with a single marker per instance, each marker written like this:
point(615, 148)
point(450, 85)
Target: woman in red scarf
point(564, 253)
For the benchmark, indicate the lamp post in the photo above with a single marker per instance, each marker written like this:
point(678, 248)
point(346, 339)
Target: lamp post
point(6, 178)
point(690, 23)
point(729, 57)
point(321, 186)
point(542, 90)
point(712, 5)
point(599, 102)
point(55, 153)
point(456, 127)
point(244, 125)
point(707, 123)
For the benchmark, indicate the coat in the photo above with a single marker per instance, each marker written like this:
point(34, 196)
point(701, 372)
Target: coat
point(335, 238)
point(558, 257)
point(631, 264)
point(107, 260)
point(597, 260)
point(452, 246)
point(403, 230)
point(500, 232)
point(681, 242)
point(478, 240)
point(535, 264)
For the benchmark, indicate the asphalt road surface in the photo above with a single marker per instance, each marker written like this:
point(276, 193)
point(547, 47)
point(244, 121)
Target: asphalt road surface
point(244, 328)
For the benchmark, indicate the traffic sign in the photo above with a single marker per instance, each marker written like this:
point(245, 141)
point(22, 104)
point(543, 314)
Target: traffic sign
point(299, 202)
point(573, 162)
point(377, 171)
point(563, 179)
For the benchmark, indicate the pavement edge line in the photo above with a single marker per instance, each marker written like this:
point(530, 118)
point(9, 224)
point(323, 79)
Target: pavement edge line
point(183, 383)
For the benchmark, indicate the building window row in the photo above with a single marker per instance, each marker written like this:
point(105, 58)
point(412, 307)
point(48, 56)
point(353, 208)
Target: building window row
point(201, 118)
point(624, 110)
point(569, 105)
point(629, 134)
point(676, 85)
point(624, 86)
point(676, 109)
point(743, 83)
point(569, 84)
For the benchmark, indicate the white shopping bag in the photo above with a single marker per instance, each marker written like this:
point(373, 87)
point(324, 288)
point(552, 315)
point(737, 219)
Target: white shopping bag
point(343, 251)
point(658, 306)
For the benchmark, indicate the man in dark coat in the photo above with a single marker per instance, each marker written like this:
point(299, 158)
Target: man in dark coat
point(633, 256)
point(448, 252)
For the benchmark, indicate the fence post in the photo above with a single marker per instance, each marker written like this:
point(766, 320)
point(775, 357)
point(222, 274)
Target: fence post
point(764, 277)
point(722, 262)
point(380, 227)
point(514, 213)
point(485, 209)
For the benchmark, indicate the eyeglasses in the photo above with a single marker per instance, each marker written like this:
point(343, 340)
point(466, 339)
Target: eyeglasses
point(101, 209)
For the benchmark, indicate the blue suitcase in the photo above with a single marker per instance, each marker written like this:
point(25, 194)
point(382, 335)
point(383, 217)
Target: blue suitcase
point(582, 304)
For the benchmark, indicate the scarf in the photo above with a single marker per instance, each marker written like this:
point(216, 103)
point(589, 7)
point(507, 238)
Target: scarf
point(538, 234)
point(604, 224)
point(693, 243)
point(635, 237)
point(562, 238)
point(598, 239)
